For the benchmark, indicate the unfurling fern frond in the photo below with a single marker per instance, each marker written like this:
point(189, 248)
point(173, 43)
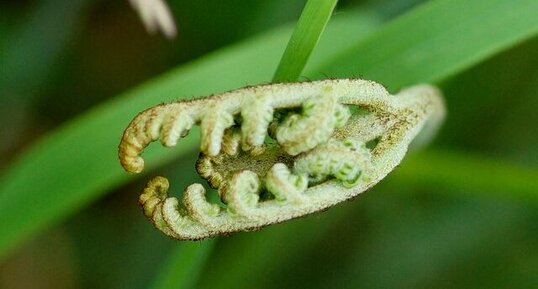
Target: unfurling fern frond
point(279, 151)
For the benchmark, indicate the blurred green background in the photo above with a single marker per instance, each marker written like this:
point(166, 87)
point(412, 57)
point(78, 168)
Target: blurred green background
point(62, 58)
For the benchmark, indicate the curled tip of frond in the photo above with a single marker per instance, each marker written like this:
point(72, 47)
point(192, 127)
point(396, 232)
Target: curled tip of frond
point(280, 151)
point(344, 160)
point(285, 185)
point(320, 116)
point(241, 193)
point(256, 117)
point(213, 126)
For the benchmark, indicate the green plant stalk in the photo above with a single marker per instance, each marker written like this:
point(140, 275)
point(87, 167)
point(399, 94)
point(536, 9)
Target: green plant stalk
point(304, 39)
point(76, 163)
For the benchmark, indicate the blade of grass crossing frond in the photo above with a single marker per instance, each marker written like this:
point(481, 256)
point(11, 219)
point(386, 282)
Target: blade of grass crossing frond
point(184, 265)
point(306, 35)
point(186, 259)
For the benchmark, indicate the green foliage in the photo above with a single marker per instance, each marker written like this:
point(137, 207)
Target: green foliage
point(28, 56)
point(437, 40)
point(76, 164)
point(490, 176)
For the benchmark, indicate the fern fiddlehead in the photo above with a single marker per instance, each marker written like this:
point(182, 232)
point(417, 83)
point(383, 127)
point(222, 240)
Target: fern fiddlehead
point(333, 140)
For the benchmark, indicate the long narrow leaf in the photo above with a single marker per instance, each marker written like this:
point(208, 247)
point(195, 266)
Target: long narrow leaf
point(437, 40)
point(306, 35)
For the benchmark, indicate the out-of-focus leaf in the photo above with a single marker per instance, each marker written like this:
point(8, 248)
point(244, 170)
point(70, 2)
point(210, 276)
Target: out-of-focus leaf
point(494, 120)
point(437, 40)
point(28, 53)
point(470, 173)
point(413, 245)
point(515, 135)
point(31, 51)
point(184, 265)
point(248, 258)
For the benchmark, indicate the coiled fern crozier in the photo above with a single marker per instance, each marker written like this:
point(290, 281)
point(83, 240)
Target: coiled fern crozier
point(279, 151)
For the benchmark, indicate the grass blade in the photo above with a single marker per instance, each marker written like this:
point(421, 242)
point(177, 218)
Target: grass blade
point(437, 40)
point(306, 35)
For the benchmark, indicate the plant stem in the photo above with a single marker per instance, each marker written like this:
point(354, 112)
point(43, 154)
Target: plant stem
point(314, 18)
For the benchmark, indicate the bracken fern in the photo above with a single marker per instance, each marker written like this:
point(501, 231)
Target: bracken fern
point(279, 151)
